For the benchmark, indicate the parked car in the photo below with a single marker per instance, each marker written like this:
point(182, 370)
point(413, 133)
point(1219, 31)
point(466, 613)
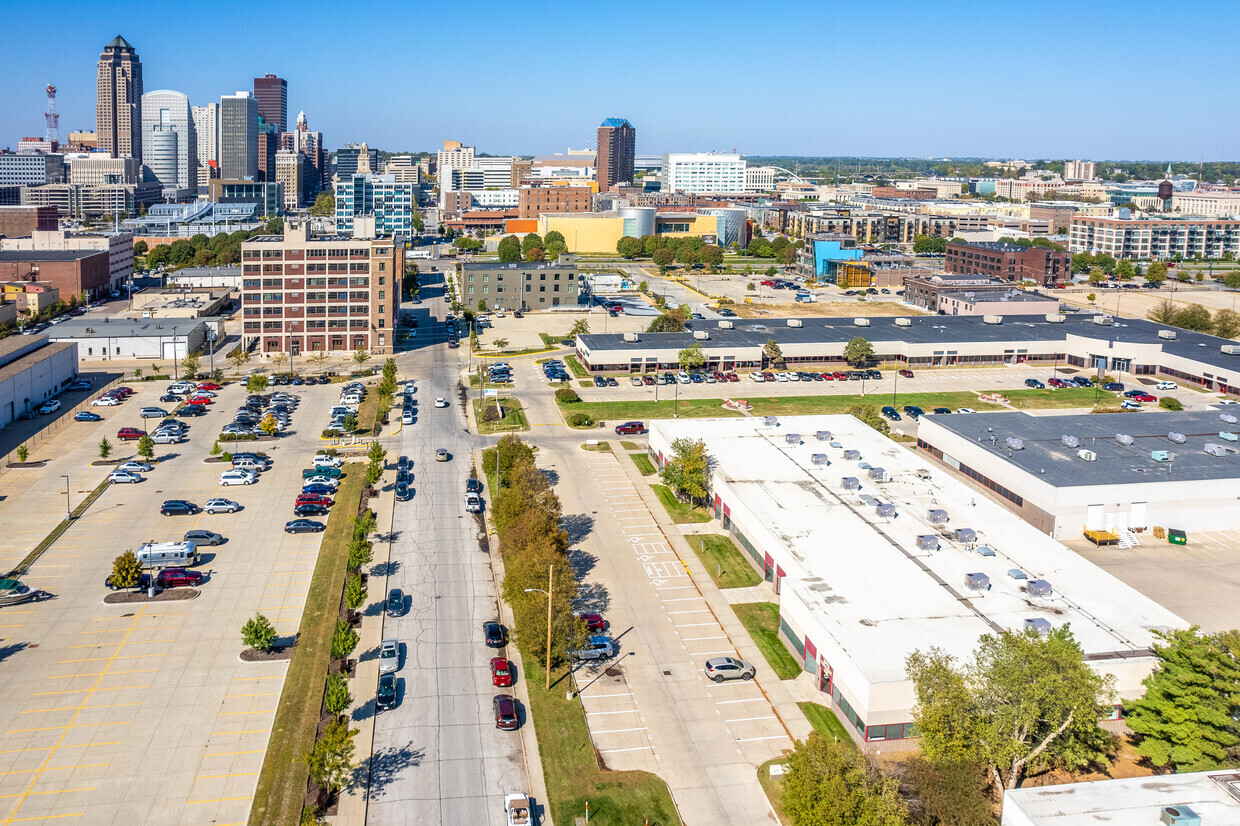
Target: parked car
point(1035, 384)
point(309, 510)
point(891, 414)
point(389, 655)
point(174, 577)
point(1144, 397)
point(506, 713)
point(123, 477)
point(179, 507)
point(304, 526)
point(152, 413)
point(385, 694)
point(494, 634)
point(49, 406)
point(728, 668)
point(403, 492)
point(501, 672)
point(126, 434)
point(941, 411)
point(106, 401)
point(1114, 386)
point(219, 504)
point(595, 648)
point(440, 401)
point(203, 537)
point(1165, 385)
point(304, 498)
point(135, 467)
point(87, 416)
point(594, 622)
point(914, 411)
point(395, 605)
point(442, 455)
point(630, 429)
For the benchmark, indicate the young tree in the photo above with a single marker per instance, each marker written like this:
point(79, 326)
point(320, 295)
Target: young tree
point(833, 784)
point(751, 287)
point(337, 697)
point(256, 383)
point(344, 640)
point(772, 351)
point(1125, 270)
point(268, 425)
point(354, 592)
point(1194, 317)
point(1232, 280)
point(278, 360)
point(868, 414)
point(509, 249)
point(858, 351)
point(146, 447)
point(23, 452)
point(643, 287)
point(663, 258)
point(711, 256)
point(1024, 702)
point(1096, 276)
point(320, 358)
point(687, 471)
point(105, 448)
point(1226, 323)
point(500, 343)
point(629, 247)
point(692, 356)
point(350, 422)
point(556, 245)
point(126, 571)
point(258, 633)
point(190, 365)
point(330, 761)
point(239, 357)
point(581, 327)
point(536, 254)
point(1188, 716)
point(671, 322)
point(1156, 274)
point(361, 553)
point(482, 305)
point(360, 356)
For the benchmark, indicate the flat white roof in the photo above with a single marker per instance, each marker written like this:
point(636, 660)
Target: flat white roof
point(1132, 801)
point(864, 576)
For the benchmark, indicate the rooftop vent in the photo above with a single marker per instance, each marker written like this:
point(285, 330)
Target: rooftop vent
point(1178, 438)
point(1227, 436)
point(632, 337)
point(1162, 455)
point(1230, 349)
point(1178, 815)
point(1227, 417)
point(1038, 588)
point(1014, 443)
point(1123, 439)
point(977, 582)
point(1055, 318)
point(701, 335)
point(770, 421)
point(793, 439)
point(1104, 320)
point(1215, 450)
point(1167, 334)
point(823, 435)
point(878, 474)
point(927, 542)
point(966, 535)
point(904, 322)
point(850, 483)
point(1038, 624)
point(861, 322)
point(937, 516)
point(795, 322)
point(985, 550)
point(820, 460)
point(1069, 441)
point(725, 324)
point(992, 319)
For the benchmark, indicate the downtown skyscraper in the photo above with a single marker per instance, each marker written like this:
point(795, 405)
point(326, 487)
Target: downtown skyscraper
point(617, 143)
point(239, 137)
point(118, 103)
point(271, 92)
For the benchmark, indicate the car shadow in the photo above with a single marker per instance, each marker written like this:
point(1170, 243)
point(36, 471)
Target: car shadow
point(384, 767)
point(368, 709)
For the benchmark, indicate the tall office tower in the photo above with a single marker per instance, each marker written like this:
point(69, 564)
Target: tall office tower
point(348, 160)
point(452, 156)
point(169, 148)
point(207, 131)
point(272, 95)
point(310, 144)
point(268, 143)
point(118, 115)
point(617, 141)
point(238, 137)
point(291, 174)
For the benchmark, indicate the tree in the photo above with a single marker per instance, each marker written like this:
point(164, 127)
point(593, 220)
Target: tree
point(105, 448)
point(787, 256)
point(268, 425)
point(868, 414)
point(536, 254)
point(344, 640)
point(922, 244)
point(759, 247)
point(858, 351)
point(1170, 403)
point(1157, 273)
point(354, 592)
point(277, 361)
point(140, 248)
point(692, 356)
point(256, 383)
point(258, 633)
point(1163, 312)
point(324, 205)
point(711, 256)
point(239, 357)
point(581, 327)
point(1091, 298)
point(1188, 716)
point(1082, 261)
point(833, 784)
point(337, 697)
point(360, 356)
point(527, 567)
point(1226, 323)
point(946, 793)
point(126, 571)
point(1194, 317)
point(1232, 280)
point(146, 446)
point(22, 453)
point(772, 352)
point(349, 422)
point(274, 226)
point(531, 241)
point(509, 249)
point(751, 287)
point(330, 761)
point(687, 471)
point(1125, 270)
point(670, 322)
point(663, 259)
point(1096, 276)
point(361, 553)
point(629, 247)
point(1024, 702)
point(556, 246)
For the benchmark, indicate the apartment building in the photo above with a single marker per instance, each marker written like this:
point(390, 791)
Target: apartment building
point(1144, 238)
point(533, 201)
point(303, 293)
point(702, 172)
point(521, 285)
point(1080, 170)
point(381, 197)
point(1011, 262)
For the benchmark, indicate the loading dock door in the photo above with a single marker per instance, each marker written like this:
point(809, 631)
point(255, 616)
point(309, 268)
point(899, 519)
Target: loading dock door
point(1093, 517)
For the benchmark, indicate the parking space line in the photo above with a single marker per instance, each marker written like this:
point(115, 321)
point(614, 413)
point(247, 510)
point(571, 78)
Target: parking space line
point(247, 731)
point(243, 679)
point(70, 708)
point(620, 730)
point(67, 726)
point(237, 713)
point(106, 644)
point(708, 653)
point(684, 599)
point(617, 694)
point(54, 791)
point(701, 639)
point(751, 739)
point(746, 719)
point(693, 624)
point(617, 751)
point(114, 657)
point(43, 817)
point(601, 713)
point(214, 776)
point(219, 799)
point(730, 702)
point(695, 611)
point(59, 768)
point(255, 694)
point(101, 673)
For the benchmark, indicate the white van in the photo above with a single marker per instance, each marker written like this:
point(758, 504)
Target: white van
point(351, 400)
point(167, 554)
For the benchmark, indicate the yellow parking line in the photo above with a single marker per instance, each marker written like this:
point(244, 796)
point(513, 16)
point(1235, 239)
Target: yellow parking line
point(80, 690)
point(70, 708)
point(59, 768)
point(54, 791)
point(132, 642)
point(43, 817)
point(14, 625)
point(110, 630)
point(101, 673)
point(88, 745)
point(114, 657)
point(68, 725)
point(214, 776)
point(230, 753)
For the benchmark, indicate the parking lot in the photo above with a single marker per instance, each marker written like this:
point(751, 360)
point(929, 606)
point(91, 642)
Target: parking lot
point(143, 712)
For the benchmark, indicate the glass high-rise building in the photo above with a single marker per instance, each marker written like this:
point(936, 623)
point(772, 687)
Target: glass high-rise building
point(169, 144)
point(118, 102)
point(239, 137)
point(271, 92)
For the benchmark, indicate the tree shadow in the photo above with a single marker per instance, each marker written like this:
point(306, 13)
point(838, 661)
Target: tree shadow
point(552, 476)
point(578, 526)
point(7, 651)
point(385, 568)
point(365, 711)
point(386, 766)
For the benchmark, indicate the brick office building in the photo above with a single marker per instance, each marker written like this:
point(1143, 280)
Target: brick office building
point(532, 201)
point(16, 221)
point(73, 272)
point(302, 293)
point(1011, 262)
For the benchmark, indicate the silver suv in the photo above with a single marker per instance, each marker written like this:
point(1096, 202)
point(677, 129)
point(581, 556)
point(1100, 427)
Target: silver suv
point(595, 648)
point(729, 668)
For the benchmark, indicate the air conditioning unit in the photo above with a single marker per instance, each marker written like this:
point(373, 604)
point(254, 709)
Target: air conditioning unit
point(793, 439)
point(1055, 318)
point(1167, 334)
point(1227, 436)
point(701, 335)
point(795, 322)
point(1123, 439)
point(823, 435)
point(1227, 417)
point(631, 337)
point(1103, 320)
point(1215, 450)
point(1162, 455)
point(1069, 441)
point(725, 324)
point(1231, 349)
point(992, 319)
point(1178, 438)
point(1014, 443)
point(904, 322)
point(1042, 626)
point(819, 460)
point(1178, 815)
point(1087, 455)
point(861, 322)
point(770, 421)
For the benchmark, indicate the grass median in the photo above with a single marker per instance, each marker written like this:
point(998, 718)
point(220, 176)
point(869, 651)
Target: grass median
point(663, 409)
point(510, 418)
point(575, 366)
point(726, 565)
point(571, 771)
point(643, 463)
point(680, 512)
point(761, 620)
point(281, 790)
point(824, 721)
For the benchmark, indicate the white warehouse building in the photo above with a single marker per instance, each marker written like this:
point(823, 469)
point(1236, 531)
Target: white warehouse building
point(874, 556)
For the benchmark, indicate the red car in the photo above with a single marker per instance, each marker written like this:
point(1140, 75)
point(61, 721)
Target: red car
point(1145, 397)
point(506, 713)
point(840, 375)
point(124, 391)
point(718, 376)
point(1057, 382)
point(594, 622)
point(615, 308)
point(127, 433)
point(630, 428)
point(313, 499)
point(828, 377)
point(208, 386)
point(733, 377)
point(200, 400)
point(501, 672)
point(768, 376)
point(907, 374)
point(172, 577)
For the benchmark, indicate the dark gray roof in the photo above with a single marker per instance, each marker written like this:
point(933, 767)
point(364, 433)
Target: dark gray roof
point(1045, 455)
point(1014, 296)
point(21, 256)
point(994, 246)
point(119, 42)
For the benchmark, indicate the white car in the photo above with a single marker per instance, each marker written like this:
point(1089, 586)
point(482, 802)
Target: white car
point(389, 656)
point(683, 377)
point(237, 477)
point(1228, 401)
point(50, 407)
point(320, 480)
point(965, 410)
point(407, 417)
point(792, 376)
point(323, 460)
point(1166, 385)
point(135, 467)
point(123, 477)
point(105, 401)
point(221, 505)
point(440, 401)
point(756, 377)
point(781, 376)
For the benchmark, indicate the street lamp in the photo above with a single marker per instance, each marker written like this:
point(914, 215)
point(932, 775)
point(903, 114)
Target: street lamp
point(550, 575)
point(68, 510)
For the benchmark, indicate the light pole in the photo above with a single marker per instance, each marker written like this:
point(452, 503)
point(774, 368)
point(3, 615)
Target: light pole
point(550, 575)
point(68, 510)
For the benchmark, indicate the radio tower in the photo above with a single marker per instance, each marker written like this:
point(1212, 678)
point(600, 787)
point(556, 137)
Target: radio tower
point(53, 120)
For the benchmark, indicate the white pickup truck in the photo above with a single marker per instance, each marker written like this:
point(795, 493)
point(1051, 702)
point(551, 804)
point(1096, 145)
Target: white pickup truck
point(517, 807)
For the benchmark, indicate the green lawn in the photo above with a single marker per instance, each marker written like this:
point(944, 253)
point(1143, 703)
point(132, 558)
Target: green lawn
point(616, 798)
point(643, 463)
point(774, 787)
point(513, 420)
point(281, 791)
point(761, 620)
point(575, 367)
point(1032, 398)
point(679, 511)
point(725, 563)
point(630, 446)
point(601, 447)
point(664, 409)
point(825, 722)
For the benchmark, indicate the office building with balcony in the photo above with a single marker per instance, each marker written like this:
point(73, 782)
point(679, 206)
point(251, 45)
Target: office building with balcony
point(303, 293)
point(1161, 238)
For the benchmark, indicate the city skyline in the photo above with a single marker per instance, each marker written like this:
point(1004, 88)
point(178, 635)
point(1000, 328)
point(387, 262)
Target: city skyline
point(886, 81)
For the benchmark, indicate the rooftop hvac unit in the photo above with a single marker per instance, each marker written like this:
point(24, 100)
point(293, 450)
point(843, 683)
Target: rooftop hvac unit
point(977, 582)
point(1123, 439)
point(850, 483)
point(878, 474)
point(1227, 417)
point(631, 337)
point(1104, 320)
point(1162, 455)
point(1230, 349)
point(1168, 334)
point(927, 542)
point(936, 516)
point(1179, 815)
point(823, 435)
point(1014, 443)
point(1069, 441)
point(886, 511)
point(861, 322)
point(1178, 438)
point(1227, 436)
point(904, 322)
point(725, 324)
point(701, 335)
point(793, 439)
point(1215, 450)
point(985, 550)
point(1038, 588)
point(820, 460)
point(1055, 318)
point(795, 322)
point(992, 319)
point(852, 455)
point(770, 421)
point(1038, 624)
point(966, 535)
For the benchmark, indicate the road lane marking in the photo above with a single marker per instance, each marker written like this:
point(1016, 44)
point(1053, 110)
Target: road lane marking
point(616, 751)
point(751, 739)
point(702, 639)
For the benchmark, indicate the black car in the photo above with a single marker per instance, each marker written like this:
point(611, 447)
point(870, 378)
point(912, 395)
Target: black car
point(726, 313)
point(395, 602)
point(1115, 386)
point(473, 486)
point(494, 633)
point(385, 695)
point(404, 464)
point(202, 537)
point(403, 493)
point(144, 582)
point(891, 414)
point(304, 526)
point(914, 411)
point(310, 510)
point(168, 397)
point(193, 410)
point(599, 381)
point(611, 382)
point(941, 410)
point(1034, 383)
point(179, 507)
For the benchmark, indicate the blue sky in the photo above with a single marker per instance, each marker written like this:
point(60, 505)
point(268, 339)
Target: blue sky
point(1104, 80)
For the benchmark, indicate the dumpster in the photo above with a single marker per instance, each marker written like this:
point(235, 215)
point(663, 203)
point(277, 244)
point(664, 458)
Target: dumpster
point(1177, 537)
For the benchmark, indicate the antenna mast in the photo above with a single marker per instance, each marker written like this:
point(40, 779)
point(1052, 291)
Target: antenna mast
point(52, 118)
